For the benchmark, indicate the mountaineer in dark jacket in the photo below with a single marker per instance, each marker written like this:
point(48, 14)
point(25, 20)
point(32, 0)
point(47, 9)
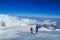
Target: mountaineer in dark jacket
point(37, 27)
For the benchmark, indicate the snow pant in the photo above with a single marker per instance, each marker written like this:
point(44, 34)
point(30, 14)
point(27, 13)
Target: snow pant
point(36, 31)
point(31, 31)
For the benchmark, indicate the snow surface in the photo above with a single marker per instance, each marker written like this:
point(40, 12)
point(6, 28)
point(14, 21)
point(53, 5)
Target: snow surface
point(1, 32)
point(19, 29)
point(24, 23)
point(43, 35)
point(9, 20)
point(48, 22)
point(57, 30)
point(44, 29)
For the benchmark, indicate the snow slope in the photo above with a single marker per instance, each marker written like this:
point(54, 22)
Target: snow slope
point(9, 20)
point(28, 36)
point(44, 29)
point(13, 23)
point(57, 30)
point(18, 29)
point(24, 23)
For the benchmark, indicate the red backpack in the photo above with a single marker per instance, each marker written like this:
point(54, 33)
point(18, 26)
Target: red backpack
point(31, 29)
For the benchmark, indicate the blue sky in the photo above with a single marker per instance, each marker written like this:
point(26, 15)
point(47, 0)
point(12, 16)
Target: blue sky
point(36, 8)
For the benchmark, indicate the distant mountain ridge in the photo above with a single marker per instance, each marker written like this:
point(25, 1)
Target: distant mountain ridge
point(50, 23)
point(57, 20)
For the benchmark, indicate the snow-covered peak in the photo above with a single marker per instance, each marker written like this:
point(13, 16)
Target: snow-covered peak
point(48, 22)
point(9, 20)
point(14, 21)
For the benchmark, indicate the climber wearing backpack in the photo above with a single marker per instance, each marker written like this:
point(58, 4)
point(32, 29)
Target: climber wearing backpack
point(37, 27)
point(31, 30)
